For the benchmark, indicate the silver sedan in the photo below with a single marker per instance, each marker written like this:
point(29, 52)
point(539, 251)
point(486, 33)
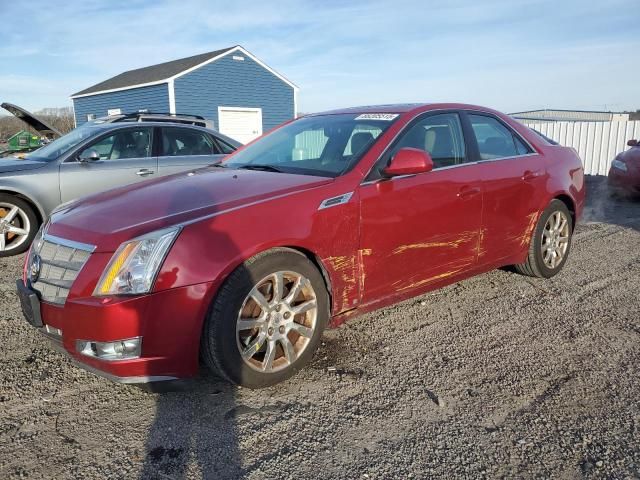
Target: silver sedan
point(93, 158)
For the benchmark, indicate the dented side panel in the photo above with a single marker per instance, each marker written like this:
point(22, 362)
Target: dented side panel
point(417, 230)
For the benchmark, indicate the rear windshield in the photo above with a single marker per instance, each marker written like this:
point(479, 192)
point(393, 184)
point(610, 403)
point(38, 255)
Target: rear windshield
point(62, 145)
point(323, 145)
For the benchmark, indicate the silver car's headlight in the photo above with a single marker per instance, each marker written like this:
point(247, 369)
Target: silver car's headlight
point(619, 165)
point(133, 268)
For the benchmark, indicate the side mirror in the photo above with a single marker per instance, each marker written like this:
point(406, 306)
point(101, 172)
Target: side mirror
point(633, 143)
point(89, 156)
point(409, 161)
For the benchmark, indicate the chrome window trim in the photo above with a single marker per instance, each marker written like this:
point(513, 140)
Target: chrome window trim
point(512, 157)
point(439, 169)
point(69, 243)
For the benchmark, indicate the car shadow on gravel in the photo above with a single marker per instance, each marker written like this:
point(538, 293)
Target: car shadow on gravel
point(604, 206)
point(194, 429)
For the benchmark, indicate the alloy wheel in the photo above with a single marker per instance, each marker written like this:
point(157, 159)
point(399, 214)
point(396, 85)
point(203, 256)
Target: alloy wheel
point(555, 239)
point(14, 226)
point(277, 321)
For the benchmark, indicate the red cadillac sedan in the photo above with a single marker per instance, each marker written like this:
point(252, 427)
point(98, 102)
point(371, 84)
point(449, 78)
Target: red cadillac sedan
point(242, 265)
point(624, 174)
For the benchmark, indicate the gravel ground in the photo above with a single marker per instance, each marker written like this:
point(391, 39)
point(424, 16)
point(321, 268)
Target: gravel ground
point(496, 376)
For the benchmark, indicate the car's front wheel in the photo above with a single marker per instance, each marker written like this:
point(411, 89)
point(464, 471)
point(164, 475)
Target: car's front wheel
point(267, 319)
point(18, 225)
point(551, 242)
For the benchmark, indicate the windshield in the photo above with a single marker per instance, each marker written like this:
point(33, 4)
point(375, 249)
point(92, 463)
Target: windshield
point(325, 145)
point(63, 144)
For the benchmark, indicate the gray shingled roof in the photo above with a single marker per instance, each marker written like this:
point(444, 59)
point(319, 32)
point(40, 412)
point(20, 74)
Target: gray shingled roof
point(154, 73)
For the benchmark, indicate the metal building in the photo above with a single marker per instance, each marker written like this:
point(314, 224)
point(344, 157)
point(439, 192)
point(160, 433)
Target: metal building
point(241, 95)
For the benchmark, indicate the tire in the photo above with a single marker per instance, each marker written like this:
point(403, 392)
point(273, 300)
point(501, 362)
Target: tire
point(23, 219)
point(276, 323)
point(536, 264)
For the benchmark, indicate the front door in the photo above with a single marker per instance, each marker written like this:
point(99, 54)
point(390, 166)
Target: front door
point(125, 158)
point(420, 229)
point(241, 124)
point(186, 148)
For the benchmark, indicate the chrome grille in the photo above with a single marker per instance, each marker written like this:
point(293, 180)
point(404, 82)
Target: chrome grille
point(60, 263)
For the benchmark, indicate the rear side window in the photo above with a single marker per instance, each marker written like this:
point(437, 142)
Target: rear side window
point(440, 135)
point(183, 142)
point(495, 140)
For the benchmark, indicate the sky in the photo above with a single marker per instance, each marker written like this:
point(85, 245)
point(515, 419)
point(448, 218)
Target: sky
point(511, 55)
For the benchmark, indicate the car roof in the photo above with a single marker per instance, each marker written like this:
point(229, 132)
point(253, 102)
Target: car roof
point(119, 125)
point(405, 108)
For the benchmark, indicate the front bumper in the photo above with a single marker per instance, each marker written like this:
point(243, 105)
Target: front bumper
point(169, 322)
point(627, 181)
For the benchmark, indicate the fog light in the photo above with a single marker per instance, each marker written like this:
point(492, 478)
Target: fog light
point(56, 332)
point(116, 350)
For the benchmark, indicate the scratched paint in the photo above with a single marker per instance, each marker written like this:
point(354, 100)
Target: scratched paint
point(345, 267)
point(427, 281)
point(465, 237)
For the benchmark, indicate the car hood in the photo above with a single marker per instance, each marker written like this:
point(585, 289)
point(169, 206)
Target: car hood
point(14, 164)
point(107, 219)
point(631, 155)
point(32, 120)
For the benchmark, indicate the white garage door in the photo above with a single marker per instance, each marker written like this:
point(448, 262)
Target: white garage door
point(241, 124)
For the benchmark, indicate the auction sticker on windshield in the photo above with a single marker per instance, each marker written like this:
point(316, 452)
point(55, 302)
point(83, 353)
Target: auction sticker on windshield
point(377, 116)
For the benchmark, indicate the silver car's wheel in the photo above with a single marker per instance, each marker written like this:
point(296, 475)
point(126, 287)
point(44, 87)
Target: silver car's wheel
point(276, 321)
point(555, 239)
point(15, 227)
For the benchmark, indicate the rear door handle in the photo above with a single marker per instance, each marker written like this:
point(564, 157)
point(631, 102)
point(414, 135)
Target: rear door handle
point(466, 192)
point(530, 175)
point(143, 172)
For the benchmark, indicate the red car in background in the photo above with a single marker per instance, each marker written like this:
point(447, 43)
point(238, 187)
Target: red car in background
point(624, 174)
point(244, 264)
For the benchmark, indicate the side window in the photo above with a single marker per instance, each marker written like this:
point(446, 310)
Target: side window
point(494, 139)
point(129, 143)
point(224, 147)
point(184, 141)
point(440, 135)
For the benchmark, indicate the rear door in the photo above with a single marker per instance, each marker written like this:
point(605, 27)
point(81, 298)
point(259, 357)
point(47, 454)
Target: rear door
point(184, 148)
point(125, 158)
point(514, 177)
point(417, 230)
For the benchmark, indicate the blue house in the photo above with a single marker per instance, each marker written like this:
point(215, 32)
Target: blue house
point(241, 95)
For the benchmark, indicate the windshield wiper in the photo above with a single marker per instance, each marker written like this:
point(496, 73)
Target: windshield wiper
point(263, 167)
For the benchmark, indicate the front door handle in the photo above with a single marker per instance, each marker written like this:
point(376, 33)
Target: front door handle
point(530, 175)
point(143, 172)
point(466, 192)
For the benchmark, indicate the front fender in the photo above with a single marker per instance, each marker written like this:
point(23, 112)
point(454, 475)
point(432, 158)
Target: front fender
point(208, 251)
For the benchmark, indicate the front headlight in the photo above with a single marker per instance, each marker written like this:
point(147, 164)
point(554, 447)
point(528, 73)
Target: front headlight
point(619, 165)
point(133, 268)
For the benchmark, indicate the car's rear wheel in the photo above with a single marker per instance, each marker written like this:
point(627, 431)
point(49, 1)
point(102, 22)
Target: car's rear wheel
point(18, 225)
point(551, 242)
point(267, 320)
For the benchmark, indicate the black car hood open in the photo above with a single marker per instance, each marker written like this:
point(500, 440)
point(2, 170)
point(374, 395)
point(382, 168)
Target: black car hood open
point(13, 164)
point(30, 119)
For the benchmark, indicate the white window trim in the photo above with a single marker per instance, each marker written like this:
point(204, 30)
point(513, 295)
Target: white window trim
point(172, 96)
